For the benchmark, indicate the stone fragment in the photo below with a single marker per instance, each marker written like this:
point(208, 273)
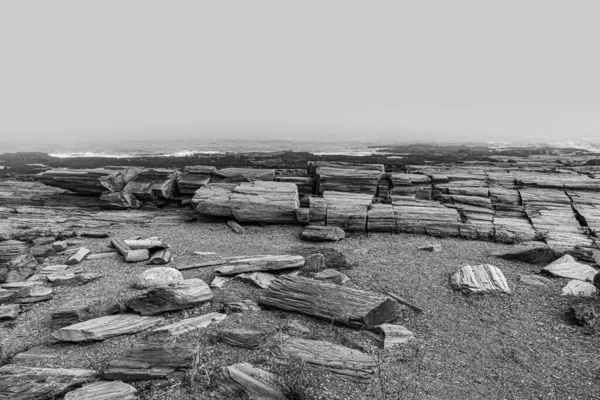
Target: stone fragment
point(59, 246)
point(535, 280)
point(331, 275)
point(483, 278)
point(323, 233)
point(579, 288)
point(431, 247)
point(157, 276)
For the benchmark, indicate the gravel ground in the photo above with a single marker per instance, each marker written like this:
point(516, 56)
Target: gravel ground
point(520, 346)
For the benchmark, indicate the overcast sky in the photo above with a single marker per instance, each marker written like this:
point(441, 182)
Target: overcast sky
point(399, 69)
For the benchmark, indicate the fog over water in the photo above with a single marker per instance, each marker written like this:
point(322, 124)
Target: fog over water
point(195, 75)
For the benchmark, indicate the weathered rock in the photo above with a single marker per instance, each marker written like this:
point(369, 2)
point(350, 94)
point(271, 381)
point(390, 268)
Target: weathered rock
point(267, 202)
point(393, 335)
point(59, 246)
point(579, 288)
point(331, 275)
point(323, 233)
point(483, 278)
point(431, 247)
point(567, 267)
point(238, 265)
point(176, 296)
point(586, 314)
point(261, 279)
point(94, 234)
point(250, 337)
point(535, 280)
point(148, 361)
point(99, 256)
point(303, 216)
point(150, 244)
point(43, 240)
point(103, 390)
point(36, 294)
point(16, 261)
point(160, 257)
point(314, 263)
point(157, 276)
point(19, 382)
point(255, 382)
point(530, 254)
point(137, 255)
point(237, 228)
point(218, 281)
point(79, 256)
point(106, 327)
point(43, 251)
point(237, 305)
point(119, 200)
point(187, 325)
point(351, 364)
point(9, 311)
point(71, 279)
point(356, 308)
point(78, 311)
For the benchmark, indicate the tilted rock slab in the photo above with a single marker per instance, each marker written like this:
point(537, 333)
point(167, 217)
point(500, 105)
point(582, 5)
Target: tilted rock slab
point(579, 288)
point(567, 267)
point(483, 278)
point(106, 327)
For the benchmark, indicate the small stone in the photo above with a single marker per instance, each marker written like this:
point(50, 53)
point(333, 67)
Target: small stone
point(431, 247)
point(297, 326)
point(579, 288)
point(157, 276)
point(60, 245)
point(332, 275)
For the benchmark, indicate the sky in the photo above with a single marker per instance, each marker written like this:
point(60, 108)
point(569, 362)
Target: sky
point(440, 70)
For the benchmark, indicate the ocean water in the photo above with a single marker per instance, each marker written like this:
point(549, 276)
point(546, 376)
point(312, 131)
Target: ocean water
point(190, 147)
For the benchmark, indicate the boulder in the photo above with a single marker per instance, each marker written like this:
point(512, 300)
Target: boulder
point(157, 276)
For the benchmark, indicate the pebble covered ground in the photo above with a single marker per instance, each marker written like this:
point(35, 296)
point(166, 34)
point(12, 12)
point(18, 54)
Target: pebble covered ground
point(520, 346)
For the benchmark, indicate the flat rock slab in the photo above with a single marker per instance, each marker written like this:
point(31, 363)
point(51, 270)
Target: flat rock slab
point(147, 361)
point(157, 276)
point(239, 306)
point(219, 281)
point(331, 275)
point(567, 267)
point(188, 325)
point(530, 254)
point(255, 382)
point(176, 296)
point(535, 280)
point(36, 294)
point(81, 310)
point(19, 382)
point(579, 288)
point(316, 233)
point(480, 279)
point(106, 327)
point(103, 390)
point(238, 265)
point(351, 364)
